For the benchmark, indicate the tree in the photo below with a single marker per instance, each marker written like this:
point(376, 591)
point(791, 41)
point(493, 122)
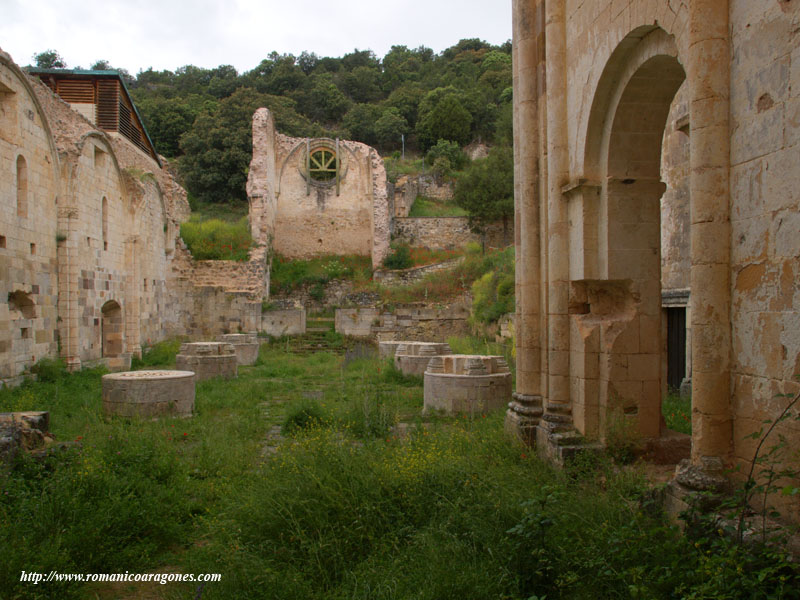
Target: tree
point(49, 59)
point(218, 147)
point(486, 189)
point(442, 116)
point(360, 122)
point(390, 127)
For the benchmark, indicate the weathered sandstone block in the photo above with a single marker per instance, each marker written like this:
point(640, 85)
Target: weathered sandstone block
point(245, 345)
point(207, 360)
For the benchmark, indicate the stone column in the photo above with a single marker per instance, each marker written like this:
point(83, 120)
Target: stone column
point(524, 412)
point(558, 407)
point(709, 80)
point(133, 281)
point(68, 276)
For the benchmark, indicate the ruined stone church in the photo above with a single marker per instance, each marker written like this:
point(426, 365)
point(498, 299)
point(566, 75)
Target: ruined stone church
point(657, 177)
point(92, 266)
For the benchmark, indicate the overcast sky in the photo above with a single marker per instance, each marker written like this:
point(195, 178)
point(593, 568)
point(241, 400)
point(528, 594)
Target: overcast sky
point(167, 34)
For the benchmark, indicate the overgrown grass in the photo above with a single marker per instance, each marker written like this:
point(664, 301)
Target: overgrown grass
point(344, 507)
point(449, 285)
point(230, 212)
point(215, 239)
point(160, 354)
point(677, 412)
point(289, 274)
point(431, 207)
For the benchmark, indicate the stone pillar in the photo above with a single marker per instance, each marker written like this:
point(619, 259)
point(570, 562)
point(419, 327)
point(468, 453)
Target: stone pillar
point(710, 301)
point(524, 412)
point(132, 314)
point(558, 407)
point(68, 275)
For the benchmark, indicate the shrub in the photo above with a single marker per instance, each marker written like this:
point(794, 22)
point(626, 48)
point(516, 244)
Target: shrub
point(215, 239)
point(303, 415)
point(49, 370)
point(159, 354)
point(399, 258)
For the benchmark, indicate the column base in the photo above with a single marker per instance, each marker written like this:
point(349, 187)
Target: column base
point(73, 364)
point(558, 441)
point(699, 487)
point(522, 417)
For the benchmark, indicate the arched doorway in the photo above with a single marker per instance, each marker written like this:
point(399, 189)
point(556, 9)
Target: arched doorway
point(112, 329)
point(619, 297)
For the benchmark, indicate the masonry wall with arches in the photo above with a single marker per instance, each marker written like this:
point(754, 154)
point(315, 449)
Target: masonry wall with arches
point(88, 236)
point(630, 116)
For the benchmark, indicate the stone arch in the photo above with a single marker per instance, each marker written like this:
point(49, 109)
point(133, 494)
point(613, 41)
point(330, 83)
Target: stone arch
point(112, 329)
point(22, 78)
point(622, 232)
point(22, 187)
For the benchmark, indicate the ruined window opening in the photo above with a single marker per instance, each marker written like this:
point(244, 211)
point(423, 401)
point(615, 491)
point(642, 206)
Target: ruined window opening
point(2, 241)
point(105, 223)
point(21, 302)
point(323, 165)
point(99, 158)
point(111, 329)
point(22, 187)
point(33, 248)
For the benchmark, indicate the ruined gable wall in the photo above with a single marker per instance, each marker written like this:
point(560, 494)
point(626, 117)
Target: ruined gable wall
point(28, 244)
point(320, 222)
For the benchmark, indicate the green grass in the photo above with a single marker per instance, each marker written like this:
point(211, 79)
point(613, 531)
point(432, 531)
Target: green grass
point(289, 274)
point(231, 212)
point(214, 239)
point(452, 284)
point(677, 412)
point(430, 207)
point(343, 507)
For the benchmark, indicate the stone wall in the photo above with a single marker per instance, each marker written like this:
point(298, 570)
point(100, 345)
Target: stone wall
point(449, 233)
point(29, 190)
point(410, 322)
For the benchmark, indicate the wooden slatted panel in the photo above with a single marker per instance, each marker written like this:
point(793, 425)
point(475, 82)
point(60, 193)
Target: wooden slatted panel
point(107, 100)
point(128, 126)
point(76, 90)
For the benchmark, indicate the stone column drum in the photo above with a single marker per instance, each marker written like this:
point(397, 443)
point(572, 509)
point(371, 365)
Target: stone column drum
point(207, 360)
point(245, 345)
point(149, 394)
point(461, 383)
point(387, 348)
point(412, 358)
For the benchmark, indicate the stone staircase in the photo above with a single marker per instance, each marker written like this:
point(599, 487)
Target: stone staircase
point(316, 338)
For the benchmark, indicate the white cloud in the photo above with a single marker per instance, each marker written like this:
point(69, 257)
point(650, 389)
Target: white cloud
point(167, 34)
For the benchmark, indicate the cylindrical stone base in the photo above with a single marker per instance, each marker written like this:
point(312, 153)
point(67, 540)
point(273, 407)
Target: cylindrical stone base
point(466, 384)
point(149, 394)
